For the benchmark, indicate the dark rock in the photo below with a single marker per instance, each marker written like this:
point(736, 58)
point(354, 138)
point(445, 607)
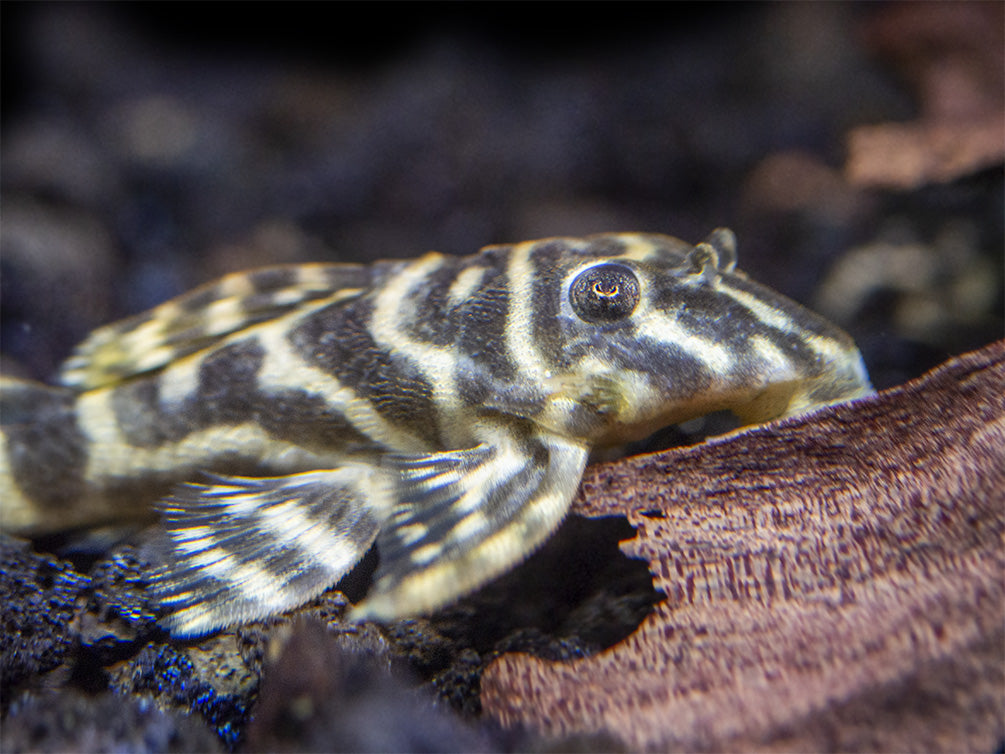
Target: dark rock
point(324, 694)
point(212, 679)
point(118, 609)
point(71, 721)
point(38, 597)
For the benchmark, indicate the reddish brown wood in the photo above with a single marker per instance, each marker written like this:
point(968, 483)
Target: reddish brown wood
point(833, 581)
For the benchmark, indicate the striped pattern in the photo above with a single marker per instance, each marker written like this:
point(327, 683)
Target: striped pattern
point(199, 319)
point(250, 548)
point(451, 535)
point(443, 407)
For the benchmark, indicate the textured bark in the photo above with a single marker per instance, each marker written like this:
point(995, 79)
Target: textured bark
point(832, 581)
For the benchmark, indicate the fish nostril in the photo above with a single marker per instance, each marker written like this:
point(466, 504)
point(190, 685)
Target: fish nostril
point(723, 240)
point(703, 260)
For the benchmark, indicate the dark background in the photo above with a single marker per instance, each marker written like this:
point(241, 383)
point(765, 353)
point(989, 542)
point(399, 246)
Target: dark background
point(149, 147)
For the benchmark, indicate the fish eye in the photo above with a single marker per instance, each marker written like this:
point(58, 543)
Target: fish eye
point(604, 293)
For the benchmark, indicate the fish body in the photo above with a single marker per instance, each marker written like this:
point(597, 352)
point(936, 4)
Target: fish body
point(444, 407)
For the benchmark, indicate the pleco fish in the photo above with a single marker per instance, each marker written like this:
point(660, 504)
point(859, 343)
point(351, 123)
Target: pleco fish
point(443, 407)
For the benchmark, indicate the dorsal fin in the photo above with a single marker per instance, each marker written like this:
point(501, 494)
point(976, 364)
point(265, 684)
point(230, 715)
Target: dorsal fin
point(198, 319)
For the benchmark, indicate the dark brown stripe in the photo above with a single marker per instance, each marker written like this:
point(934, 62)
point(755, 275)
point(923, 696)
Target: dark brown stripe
point(47, 452)
point(603, 246)
point(433, 321)
point(228, 393)
point(482, 324)
point(804, 319)
point(716, 316)
point(549, 262)
point(228, 382)
point(138, 414)
point(336, 340)
point(307, 420)
point(225, 395)
point(504, 503)
point(199, 299)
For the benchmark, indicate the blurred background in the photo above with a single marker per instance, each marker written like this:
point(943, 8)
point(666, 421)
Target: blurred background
point(856, 149)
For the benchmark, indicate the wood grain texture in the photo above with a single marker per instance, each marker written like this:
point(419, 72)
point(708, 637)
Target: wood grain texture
point(832, 581)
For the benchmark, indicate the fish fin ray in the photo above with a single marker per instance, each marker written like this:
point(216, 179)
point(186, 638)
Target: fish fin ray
point(247, 548)
point(489, 512)
point(203, 317)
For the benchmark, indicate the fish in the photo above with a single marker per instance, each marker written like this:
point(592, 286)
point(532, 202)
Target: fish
point(279, 422)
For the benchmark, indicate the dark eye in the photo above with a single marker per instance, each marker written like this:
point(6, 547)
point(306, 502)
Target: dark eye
point(604, 293)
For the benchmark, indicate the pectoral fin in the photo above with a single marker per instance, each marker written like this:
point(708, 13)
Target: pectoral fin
point(245, 549)
point(448, 522)
point(464, 518)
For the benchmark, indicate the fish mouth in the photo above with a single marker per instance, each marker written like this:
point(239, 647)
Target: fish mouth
point(846, 380)
point(783, 397)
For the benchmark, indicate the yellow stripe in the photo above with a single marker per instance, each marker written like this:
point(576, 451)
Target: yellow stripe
point(111, 456)
point(663, 328)
point(465, 284)
point(393, 306)
point(520, 344)
point(282, 368)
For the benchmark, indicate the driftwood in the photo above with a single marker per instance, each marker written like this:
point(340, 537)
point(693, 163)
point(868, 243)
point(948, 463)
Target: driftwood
point(951, 55)
point(834, 581)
